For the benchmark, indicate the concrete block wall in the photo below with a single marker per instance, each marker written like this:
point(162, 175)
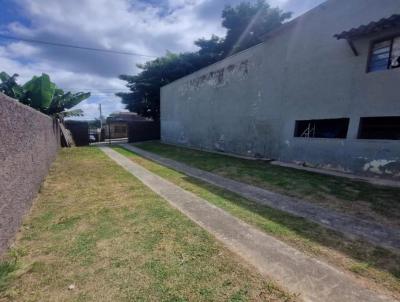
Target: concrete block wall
point(29, 141)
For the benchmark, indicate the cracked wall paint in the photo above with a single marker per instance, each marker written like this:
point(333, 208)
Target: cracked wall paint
point(217, 78)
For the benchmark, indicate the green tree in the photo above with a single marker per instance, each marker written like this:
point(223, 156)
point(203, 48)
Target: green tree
point(144, 98)
point(246, 25)
point(43, 95)
point(210, 50)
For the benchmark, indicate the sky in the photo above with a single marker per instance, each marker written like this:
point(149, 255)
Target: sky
point(148, 27)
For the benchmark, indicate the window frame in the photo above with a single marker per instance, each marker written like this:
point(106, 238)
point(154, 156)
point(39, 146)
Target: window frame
point(347, 120)
point(371, 48)
point(361, 128)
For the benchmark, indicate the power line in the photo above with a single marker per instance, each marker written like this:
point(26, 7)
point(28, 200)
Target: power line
point(97, 89)
point(97, 94)
point(75, 46)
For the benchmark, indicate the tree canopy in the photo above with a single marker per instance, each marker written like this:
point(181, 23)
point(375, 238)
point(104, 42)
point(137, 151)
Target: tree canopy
point(246, 24)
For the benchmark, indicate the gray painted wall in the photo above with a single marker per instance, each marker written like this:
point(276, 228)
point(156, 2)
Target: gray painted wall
point(247, 104)
point(29, 141)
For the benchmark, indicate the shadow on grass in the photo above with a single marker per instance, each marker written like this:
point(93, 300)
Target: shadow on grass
point(295, 229)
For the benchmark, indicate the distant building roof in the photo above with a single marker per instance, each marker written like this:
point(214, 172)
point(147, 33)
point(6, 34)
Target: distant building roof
point(373, 27)
point(126, 117)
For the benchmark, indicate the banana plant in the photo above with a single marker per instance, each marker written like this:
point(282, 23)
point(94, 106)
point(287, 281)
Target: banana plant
point(9, 85)
point(62, 101)
point(43, 95)
point(39, 92)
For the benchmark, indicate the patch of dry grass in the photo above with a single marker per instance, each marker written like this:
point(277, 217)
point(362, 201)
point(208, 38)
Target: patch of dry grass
point(98, 228)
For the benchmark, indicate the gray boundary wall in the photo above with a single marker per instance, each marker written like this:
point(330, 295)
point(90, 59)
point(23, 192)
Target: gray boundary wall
point(29, 141)
point(143, 131)
point(79, 131)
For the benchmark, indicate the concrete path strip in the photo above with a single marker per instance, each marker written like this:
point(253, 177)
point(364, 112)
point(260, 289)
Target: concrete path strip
point(293, 270)
point(350, 226)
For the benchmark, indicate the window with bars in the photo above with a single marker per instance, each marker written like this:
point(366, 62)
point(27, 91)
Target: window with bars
point(385, 55)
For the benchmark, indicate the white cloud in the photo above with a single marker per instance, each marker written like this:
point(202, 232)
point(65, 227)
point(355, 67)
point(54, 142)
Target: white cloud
point(21, 50)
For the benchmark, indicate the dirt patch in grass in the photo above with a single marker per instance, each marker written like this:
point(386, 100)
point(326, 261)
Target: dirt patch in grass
point(377, 267)
point(95, 233)
point(361, 199)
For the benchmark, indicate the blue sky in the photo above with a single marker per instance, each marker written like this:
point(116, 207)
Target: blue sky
point(142, 26)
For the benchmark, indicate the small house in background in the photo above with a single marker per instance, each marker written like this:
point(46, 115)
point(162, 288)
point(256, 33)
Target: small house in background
point(117, 124)
point(131, 125)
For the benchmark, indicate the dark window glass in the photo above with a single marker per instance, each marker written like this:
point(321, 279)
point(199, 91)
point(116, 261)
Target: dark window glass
point(327, 128)
point(385, 55)
point(379, 128)
point(380, 56)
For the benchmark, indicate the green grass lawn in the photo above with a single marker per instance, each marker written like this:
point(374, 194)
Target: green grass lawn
point(376, 266)
point(359, 198)
point(98, 228)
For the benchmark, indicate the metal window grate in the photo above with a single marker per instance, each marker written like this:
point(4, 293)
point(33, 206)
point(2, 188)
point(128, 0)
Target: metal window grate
point(323, 128)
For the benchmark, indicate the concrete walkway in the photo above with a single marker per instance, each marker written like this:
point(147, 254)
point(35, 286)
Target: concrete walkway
point(350, 226)
point(293, 270)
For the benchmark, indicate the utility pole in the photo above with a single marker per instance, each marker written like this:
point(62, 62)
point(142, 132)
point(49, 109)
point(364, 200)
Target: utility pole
point(101, 115)
point(101, 122)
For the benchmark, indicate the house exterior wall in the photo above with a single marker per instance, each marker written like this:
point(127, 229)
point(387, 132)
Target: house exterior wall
point(29, 141)
point(248, 103)
point(116, 130)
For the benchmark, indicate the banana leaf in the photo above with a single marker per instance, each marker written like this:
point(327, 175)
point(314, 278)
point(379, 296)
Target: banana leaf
point(40, 92)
